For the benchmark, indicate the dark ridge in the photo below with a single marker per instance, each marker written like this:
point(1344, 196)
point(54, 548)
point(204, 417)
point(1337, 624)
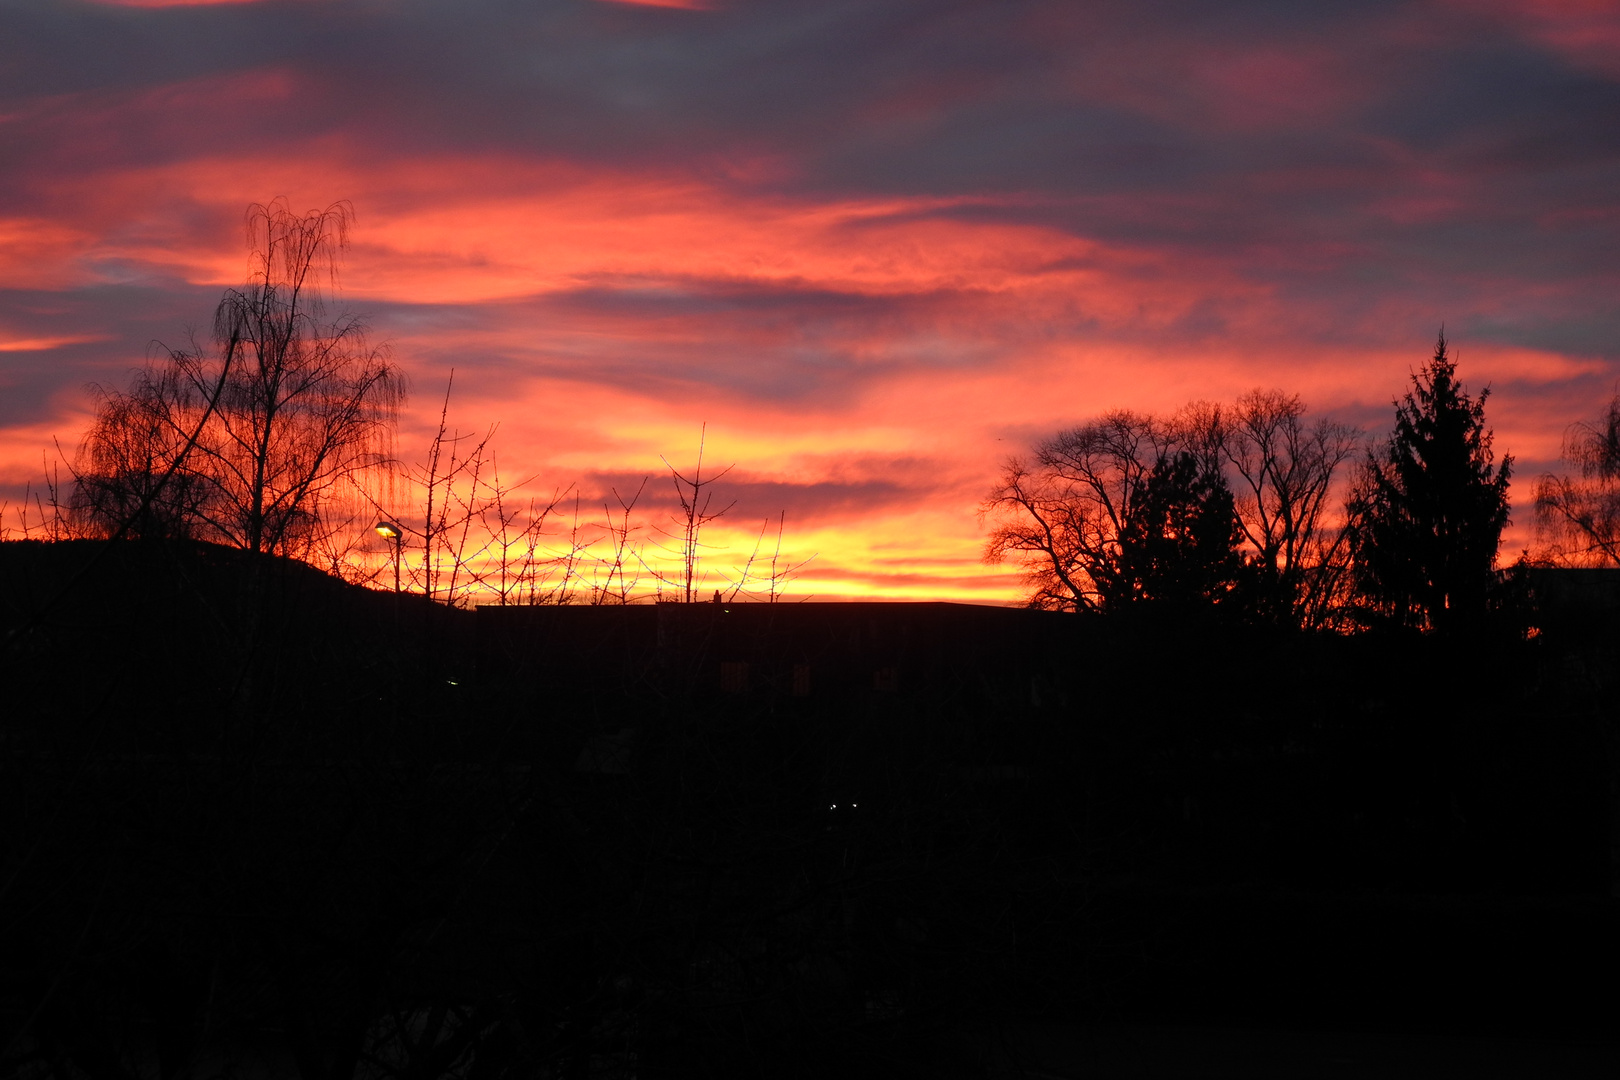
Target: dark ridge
point(251, 812)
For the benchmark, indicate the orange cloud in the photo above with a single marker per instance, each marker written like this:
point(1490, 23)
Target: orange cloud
point(46, 344)
point(867, 362)
point(430, 231)
point(40, 253)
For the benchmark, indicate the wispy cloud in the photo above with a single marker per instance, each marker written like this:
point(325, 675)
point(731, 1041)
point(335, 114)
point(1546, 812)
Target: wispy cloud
point(45, 344)
point(875, 246)
point(688, 5)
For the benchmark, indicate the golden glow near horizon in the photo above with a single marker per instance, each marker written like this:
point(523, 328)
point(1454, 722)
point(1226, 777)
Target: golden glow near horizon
point(873, 270)
point(880, 476)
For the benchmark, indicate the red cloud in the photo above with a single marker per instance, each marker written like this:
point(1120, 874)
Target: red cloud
point(688, 5)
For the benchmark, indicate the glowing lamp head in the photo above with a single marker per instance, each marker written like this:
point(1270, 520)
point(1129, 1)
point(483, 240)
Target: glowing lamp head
point(389, 531)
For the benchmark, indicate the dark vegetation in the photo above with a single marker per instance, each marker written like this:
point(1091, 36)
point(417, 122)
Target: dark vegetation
point(277, 435)
point(248, 440)
point(254, 815)
point(1268, 764)
point(1228, 509)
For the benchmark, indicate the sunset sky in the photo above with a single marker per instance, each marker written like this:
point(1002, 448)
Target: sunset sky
point(875, 245)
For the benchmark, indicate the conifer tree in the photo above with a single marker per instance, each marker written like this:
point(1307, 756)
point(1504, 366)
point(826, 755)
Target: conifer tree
point(1180, 546)
point(1431, 507)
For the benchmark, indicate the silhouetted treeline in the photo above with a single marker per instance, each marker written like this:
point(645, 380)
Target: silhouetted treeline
point(1241, 511)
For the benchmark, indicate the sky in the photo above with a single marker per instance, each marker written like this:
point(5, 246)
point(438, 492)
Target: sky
point(875, 246)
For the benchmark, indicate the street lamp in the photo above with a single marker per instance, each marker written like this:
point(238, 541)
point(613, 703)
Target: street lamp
point(389, 530)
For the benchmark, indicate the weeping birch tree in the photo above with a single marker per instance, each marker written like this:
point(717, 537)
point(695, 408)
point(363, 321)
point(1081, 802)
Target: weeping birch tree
point(1578, 512)
point(252, 437)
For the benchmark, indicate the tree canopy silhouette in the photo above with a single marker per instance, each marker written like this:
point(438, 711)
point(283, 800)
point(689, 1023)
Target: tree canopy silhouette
point(1284, 468)
point(1179, 548)
point(1579, 515)
point(248, 441)
point(1064, 511)
point(1430, 507)
point(1134, 507)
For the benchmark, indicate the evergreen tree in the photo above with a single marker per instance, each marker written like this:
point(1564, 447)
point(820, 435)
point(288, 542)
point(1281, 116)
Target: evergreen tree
point(1431, 507)
point(1179, 547)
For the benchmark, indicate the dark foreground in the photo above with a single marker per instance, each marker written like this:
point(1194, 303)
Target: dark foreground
point(1115, 1051)
point(257, 822)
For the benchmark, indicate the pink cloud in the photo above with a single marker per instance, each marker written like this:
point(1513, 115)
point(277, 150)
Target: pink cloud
point(41, 253)
point(688, 5)
point(868, 355)
point(46, 344)
point(1240, 87)
point(1586, 32)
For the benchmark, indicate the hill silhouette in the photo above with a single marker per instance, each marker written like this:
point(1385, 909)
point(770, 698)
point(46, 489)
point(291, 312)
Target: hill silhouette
point(255, 813)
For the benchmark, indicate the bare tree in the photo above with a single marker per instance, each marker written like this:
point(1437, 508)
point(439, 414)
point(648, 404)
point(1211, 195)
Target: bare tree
point(1578, 516)
point(467, 537)
point(619, 571)
point(569, 560)
point(782, 571)
point(124, 471)
point(1069, 513)
point(696, 497)
point(520, 571)
point(1285, 468)
point(42, 513)
point(305, 406)
point(451, 481)
point(1062, 513)
point(770, 576)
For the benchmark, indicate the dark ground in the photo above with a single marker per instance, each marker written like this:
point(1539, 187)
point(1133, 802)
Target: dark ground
point(253, 815)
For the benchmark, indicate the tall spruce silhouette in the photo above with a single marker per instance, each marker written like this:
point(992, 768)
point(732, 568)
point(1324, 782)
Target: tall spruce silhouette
point(1431, 507)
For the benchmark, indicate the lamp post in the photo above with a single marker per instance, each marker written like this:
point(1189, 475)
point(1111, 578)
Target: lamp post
point(389, 530)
